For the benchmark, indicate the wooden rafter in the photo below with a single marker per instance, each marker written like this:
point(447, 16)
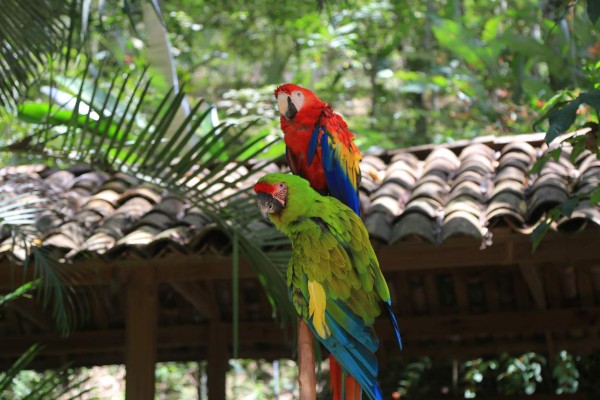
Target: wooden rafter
point(535, 283)
point(199, 296)
point(457, 253)
point(32, 311)
point(269, 332)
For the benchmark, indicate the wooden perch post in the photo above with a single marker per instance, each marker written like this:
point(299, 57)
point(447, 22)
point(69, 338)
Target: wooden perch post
point(141, 334)
point(306, 363)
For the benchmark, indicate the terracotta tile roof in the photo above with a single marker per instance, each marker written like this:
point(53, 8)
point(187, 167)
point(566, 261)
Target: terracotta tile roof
point(471, 188)
point(429, 192)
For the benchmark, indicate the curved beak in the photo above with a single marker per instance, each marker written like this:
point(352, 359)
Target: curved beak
point(268, 205)
point(264, 201)
point(287, 109)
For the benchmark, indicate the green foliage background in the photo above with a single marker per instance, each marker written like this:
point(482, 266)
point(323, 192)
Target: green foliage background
point(402, 73)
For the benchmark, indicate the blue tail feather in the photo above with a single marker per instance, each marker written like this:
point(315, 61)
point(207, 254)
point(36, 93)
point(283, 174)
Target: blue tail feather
point(352, 323)
point(353, 356)
point(394, 321)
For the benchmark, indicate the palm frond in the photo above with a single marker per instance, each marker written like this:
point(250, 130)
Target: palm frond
point(22, 362)
point(31, 31)
point(19, 210)
point(19, 292)
point(208, 173)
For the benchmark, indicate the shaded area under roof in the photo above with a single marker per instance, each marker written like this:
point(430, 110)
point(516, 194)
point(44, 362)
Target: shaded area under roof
point(450, 225)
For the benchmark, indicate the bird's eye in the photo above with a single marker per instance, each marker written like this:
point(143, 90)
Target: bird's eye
point(281, 186)
point(298, 94)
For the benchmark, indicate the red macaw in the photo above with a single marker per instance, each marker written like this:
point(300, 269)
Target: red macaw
point(321, 149)
point(319, 146)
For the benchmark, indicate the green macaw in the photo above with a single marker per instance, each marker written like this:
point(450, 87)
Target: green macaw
point(333, 276)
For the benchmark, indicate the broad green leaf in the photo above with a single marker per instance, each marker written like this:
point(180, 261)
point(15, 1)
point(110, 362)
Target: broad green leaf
point(569, 206)
point(592, 99)
point(455, 38)
point(593, 10)
point(491, 27)
point(538, 234)
point(539, 164)
point(44, 113)
point(561, 120)
point(578, 147)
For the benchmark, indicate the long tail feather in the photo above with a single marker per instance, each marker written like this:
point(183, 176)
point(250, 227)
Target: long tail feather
point(343, 386)
point(353, 390)
point(394, 322)
point(354, 358)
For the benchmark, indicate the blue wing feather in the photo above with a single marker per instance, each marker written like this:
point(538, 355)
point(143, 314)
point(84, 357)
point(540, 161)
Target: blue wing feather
point(337, 175)
point(312, 146)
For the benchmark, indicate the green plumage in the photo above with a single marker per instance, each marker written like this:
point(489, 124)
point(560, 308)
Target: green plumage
point(330, 247)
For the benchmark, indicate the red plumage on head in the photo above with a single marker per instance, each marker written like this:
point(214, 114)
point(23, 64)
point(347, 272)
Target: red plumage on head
point(287, 88)
point(264, 187)
point(277, 190)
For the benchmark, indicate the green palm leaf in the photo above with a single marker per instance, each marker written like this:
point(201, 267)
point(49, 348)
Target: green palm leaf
point(201, 173)
point(31, 32)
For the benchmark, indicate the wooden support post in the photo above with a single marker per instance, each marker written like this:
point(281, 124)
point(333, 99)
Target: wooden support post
point(306, 363)
point(218, 359)
point(141, 331)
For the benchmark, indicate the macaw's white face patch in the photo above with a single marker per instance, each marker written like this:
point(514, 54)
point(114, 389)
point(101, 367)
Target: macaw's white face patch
point(290, 104)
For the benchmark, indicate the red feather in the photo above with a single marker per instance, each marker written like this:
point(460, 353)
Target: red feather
point(297, 136)
point(298, 133)
point(335, 379)
point(264, 187)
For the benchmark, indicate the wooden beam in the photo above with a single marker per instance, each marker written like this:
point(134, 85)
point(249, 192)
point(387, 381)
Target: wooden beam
point(585, 286)
point(218, 360)
point(510, 249)
point(507, 249)
point(267, 333)
point(533, 278)
point(198, 296)
point(492, 297)
point(99, 313)
point(470, 350)
point(422, 336)
point(438, 350)
point(461, 291)
point(140, 335)
point(403, 294)
point(552, 285)
point(33, 312)
point(431, 291)
point(263, 333)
